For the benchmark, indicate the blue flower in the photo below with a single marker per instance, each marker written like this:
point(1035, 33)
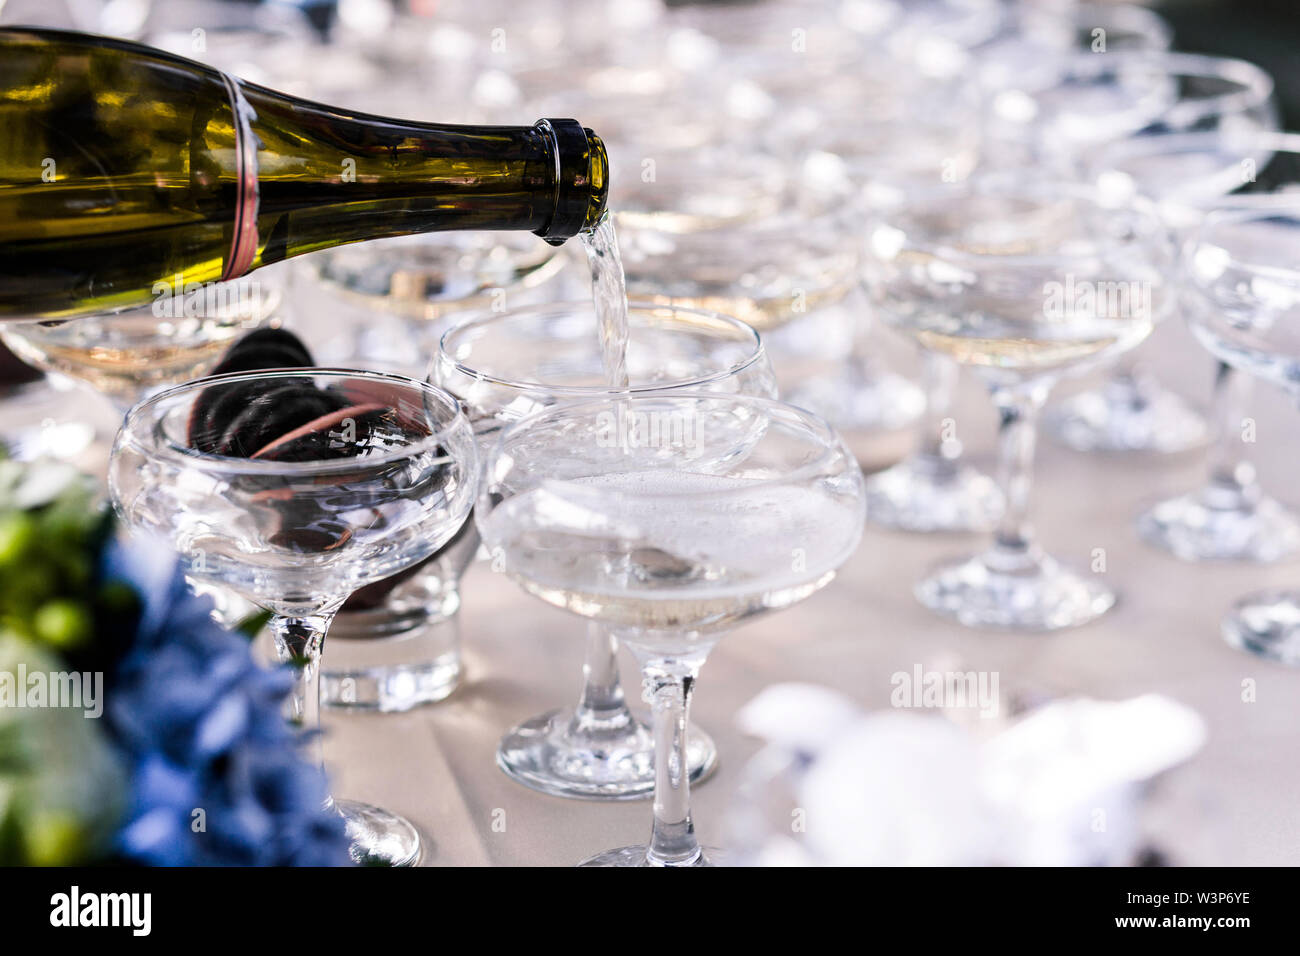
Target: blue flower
point(216, 776)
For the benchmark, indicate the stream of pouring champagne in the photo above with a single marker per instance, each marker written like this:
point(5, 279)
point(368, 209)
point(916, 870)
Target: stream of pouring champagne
point(609, 295)
point(127, 173)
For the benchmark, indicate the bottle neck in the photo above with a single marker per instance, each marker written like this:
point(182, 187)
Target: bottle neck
point(323, 177)
point(581, 179)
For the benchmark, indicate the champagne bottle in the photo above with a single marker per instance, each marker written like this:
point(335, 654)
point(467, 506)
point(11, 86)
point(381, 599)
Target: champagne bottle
point(125, 170)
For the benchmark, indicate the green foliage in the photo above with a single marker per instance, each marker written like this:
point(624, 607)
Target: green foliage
point(61, 788)
point(52, 524)
point(61, 784)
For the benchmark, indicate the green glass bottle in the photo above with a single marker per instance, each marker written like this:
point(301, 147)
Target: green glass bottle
point(124, 169)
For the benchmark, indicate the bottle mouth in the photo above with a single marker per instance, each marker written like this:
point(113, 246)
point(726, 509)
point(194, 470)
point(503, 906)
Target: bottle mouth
point(581, 179)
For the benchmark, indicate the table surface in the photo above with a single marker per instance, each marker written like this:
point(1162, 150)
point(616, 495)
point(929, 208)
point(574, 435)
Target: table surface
point(1234, 803)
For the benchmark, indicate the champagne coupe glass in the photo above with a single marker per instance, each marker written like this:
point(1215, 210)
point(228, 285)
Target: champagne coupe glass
point(35, 417)
point(932, 489)
point(124, 355)
point(1024, 282)
point(503, 367)
point(872, 126)
point(671, 518)
point(1188, 175)
point(1243, 263)
point(732, 231)
point(298, 524)
point(384, 304)
point(1093, 100)
point(787, 259)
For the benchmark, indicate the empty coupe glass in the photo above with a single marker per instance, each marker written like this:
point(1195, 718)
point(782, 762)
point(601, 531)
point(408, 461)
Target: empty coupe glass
point(299, 522)
point(1189, 175)
point(1243, 264)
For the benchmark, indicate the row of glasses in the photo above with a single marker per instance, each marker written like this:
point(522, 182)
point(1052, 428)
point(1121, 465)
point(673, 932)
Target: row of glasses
point(1024, 281)
point(908, 119)
point(671, 518)
point(1242, 266)
point(505, 367)
point(501, 365)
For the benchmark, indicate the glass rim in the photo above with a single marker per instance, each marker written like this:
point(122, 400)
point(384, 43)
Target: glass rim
point(1155, 144)
point(641, 306)
point(1257, 85)
point(1285, 205)
point(832, 443)
point(138, 425)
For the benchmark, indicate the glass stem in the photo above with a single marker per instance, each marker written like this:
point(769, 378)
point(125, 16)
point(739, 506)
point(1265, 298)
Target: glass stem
point(601, 707)
point(667, 687)
point(299, 642)
point(939, 379)
point(1018, 410)
point(1232, 485)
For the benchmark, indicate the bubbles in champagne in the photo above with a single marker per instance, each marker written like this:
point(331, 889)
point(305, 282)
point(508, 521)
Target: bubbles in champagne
point(673, 535)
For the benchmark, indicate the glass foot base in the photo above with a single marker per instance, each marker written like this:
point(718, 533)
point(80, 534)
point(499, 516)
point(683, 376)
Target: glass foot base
point(1040, 596)
point(855, 401)
point(1127, 418)
point(391, 689)
point(914, 495)
point(636, 856)
point(1190, 529)
point(1266, 624)
point(545, 754)
point(405, 651)
point(379, 838)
